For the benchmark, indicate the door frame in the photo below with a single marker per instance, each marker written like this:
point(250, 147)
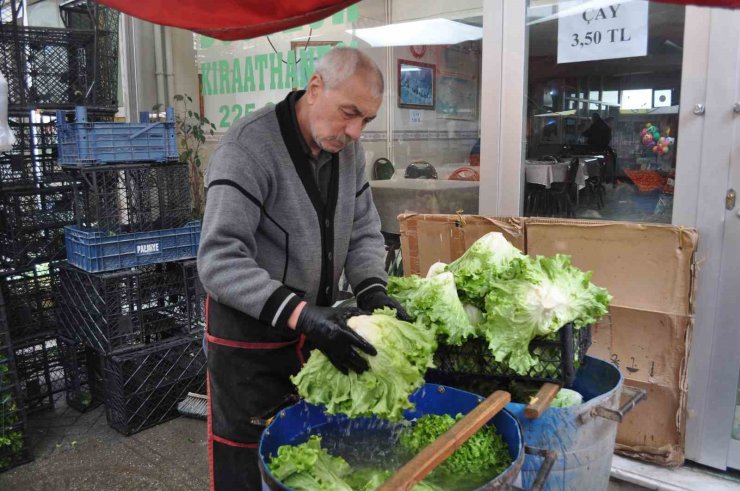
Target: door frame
point(709, 76)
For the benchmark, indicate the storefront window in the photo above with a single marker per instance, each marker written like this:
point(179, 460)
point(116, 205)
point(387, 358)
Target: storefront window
point(421, 150)
point(602, 109)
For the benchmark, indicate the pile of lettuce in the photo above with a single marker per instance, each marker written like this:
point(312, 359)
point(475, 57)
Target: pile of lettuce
point(405, 352)
point(309, 467)
point(508, 298)
point(483, 454)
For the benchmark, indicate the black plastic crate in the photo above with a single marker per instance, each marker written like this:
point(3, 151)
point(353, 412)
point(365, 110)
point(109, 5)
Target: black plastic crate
point(29, 302)
point(24, 250)
point(51, 206)
point(13, 435)
point(559, 358)
point(133, 198)
point(119, 310)
point(144, 386)
point(58, 68)
point(40, 372)
point(90, 15)
point(83, 375)
point(33, 159)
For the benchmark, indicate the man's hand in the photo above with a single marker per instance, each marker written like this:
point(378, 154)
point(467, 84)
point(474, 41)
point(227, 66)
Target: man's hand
point(327, 328)
point(377, 300)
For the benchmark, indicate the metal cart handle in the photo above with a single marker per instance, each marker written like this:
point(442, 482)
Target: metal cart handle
point(636, 396)
point(550, 457)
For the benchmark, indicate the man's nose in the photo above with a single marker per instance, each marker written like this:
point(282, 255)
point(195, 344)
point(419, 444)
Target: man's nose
point(354, 128)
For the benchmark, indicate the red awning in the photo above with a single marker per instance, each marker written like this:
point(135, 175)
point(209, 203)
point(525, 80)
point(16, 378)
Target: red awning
point(230, 20)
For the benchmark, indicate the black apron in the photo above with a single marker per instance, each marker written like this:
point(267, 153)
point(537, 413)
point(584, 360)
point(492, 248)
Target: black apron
point(249, 365)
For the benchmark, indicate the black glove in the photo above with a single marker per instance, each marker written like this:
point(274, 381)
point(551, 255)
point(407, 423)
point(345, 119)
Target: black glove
point(378, 299)
point(326, 327)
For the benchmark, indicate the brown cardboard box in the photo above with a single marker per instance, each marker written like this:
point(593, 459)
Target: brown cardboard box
point(650, 271)
point(647, 267)
point(426, 239)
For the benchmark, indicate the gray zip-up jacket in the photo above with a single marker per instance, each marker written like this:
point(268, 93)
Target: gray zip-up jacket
point(268, 239)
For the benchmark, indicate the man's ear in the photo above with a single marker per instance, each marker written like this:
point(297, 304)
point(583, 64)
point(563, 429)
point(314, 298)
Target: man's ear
point(314, 88)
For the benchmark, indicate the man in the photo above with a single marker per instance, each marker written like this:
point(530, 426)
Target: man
point(599, 134)
point(288, 208)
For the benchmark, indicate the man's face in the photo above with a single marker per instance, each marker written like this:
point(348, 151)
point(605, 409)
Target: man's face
point(339, 115)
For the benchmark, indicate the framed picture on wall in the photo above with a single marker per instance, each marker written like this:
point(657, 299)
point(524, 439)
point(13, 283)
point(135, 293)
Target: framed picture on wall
point(457, 97)
point(416, 84)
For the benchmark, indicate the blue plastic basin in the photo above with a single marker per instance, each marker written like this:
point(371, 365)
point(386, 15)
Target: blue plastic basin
point(296, 424)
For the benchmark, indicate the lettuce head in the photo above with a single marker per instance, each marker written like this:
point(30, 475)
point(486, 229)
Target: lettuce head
point(550, 295)
point(405, 352)
point(489, 259)
point(433, 304)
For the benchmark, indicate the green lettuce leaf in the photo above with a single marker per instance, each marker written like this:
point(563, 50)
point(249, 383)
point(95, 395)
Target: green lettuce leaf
point(483, 453)
point(433, 303)
point(489, 259)
point(549, 295)
point(405, 353)
point(308, 467)
point(566, 398)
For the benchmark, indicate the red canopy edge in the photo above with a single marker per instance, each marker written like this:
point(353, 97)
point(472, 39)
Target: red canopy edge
point(231, 20)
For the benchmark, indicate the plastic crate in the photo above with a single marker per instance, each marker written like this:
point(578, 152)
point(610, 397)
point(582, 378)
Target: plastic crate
point(559, 358)
point(33, 159)
point(87, 15)
point(83, 375)
point(111, 312)
point(94, 251)
point(14, 451)
point(144, 386)
point(51, 206)
point(40, 372)
point(29, 302)
point(22, 251)
point(134, 197)
point(58, 68)
point(84, 143)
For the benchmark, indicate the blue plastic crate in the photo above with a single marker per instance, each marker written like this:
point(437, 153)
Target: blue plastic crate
point(94, 251)
point(84, 143)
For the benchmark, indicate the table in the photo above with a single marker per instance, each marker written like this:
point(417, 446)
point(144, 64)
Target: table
point(395, 196)
point(545, 173)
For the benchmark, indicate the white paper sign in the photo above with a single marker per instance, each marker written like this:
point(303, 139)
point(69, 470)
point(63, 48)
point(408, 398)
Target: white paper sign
point(415, 118)
point(602, 30)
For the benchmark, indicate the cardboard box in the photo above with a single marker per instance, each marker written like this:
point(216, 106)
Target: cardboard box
point(646, 267)
point(426, 239)
point(649, 269)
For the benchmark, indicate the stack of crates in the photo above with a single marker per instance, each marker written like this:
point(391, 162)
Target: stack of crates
point(47, 69)
point(129, 302)
point(13, 433)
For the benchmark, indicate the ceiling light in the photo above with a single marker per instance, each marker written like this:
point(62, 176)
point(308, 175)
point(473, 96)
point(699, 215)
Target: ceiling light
point(420, 32)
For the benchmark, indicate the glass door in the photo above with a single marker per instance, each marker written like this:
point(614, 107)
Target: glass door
point(602, 104)
point(541, 88)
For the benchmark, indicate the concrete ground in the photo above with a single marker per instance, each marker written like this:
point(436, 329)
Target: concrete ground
point(80, 452)
point(76, 451)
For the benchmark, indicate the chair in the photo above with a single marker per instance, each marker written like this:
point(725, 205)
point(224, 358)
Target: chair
point(595, 185)
point(383, 169)
point(420, 169)
point(557, 199)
